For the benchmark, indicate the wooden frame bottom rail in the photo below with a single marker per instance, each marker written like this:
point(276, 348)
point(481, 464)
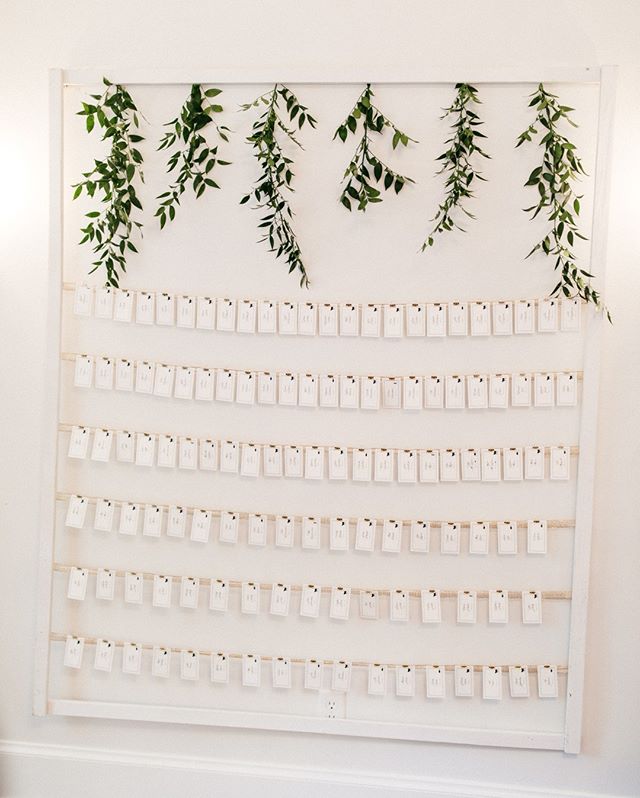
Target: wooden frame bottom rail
point(550, 741)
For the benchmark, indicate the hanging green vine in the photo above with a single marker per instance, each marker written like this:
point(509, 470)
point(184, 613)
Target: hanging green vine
point(110, 230)
point(277, 174)
point(457, 161)
point(554, 180)
point(197, 160)
point(365, 168)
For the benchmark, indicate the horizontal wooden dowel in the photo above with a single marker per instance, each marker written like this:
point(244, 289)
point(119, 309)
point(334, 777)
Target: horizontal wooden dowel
point(72, 356)
point(57, 637)
point(573, 450)
point(385, 591)
point(566, 523)
point(67, 286)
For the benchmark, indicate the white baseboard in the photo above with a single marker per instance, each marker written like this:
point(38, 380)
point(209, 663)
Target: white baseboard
point(391, 784)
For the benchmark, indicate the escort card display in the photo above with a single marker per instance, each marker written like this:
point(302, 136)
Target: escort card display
point(363, 511)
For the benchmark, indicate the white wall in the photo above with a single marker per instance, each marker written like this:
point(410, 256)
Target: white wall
point(37, 35)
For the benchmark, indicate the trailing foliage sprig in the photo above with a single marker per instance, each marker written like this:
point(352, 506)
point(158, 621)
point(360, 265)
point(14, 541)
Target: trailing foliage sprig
point(110, 230)
point(196, 158)
point(457, 165)
point(365, 168)
point(554, 180)
point(277, 174)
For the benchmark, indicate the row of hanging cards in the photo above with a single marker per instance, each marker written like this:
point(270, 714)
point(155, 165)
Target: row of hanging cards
point(339, 534)
point(318, 462)
point(371, 392)
point(392, 320)
point(338, 598)
point(221, 665)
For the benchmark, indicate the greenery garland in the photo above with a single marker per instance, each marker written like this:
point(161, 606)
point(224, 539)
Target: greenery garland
point(365, 168)
point(456, 159)
point(277, 174)
point(554, 179)
point(110, 230)
point(196, 158)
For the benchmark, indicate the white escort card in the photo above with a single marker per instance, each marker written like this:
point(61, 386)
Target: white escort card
point(205, 313)
point(280, 599)
point(518, 681)
point(463, 679)
point(531, 606)
point(430, 606)
point(251, 670)
point(313, 672)
point(219, 668)
point(369, 605)
point(393, 324)
point(458, 318)
point(491, 683)
point(247, 312)
point(103, 659)
point(405, 680)
point(377, 679)
point(78, 442)
point(83, 301)
point(76, 512)
point(371, 321)
point(436, 320)
point(281, 672)
point(419, 539)
point(365, 534)
point(186, 312)
point(104, 298)
point(436, 683)
point(77, 585)
point(502, 314)
point(131, 658)
point(176, 522)
point(547, 315)
point(480, 318)
point(133, 587)
point(310, 533)
point(467, 606)
point(123, 305)
point(547, 681)
point(399, 605)
point(165, 309)
point(145, 307)
point(536, 537)
point(524, 317)
point(226, 315)
point(219, 595)
point(307, 318)
point(189, 592)
point(73, 652)
point(162, 589)
point(310, 601)
point(105, 584)
point(416, 320)
point(478, 537)
point(498, 606)
point(250, 598)
point(340, 602)
point(104, 373)
point(189, 665)
point(341, 676)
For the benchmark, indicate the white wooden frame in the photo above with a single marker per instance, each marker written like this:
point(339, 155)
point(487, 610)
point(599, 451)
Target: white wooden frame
point(569, 741)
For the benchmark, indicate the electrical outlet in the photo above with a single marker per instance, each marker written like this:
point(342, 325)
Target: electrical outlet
point(332, 705)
